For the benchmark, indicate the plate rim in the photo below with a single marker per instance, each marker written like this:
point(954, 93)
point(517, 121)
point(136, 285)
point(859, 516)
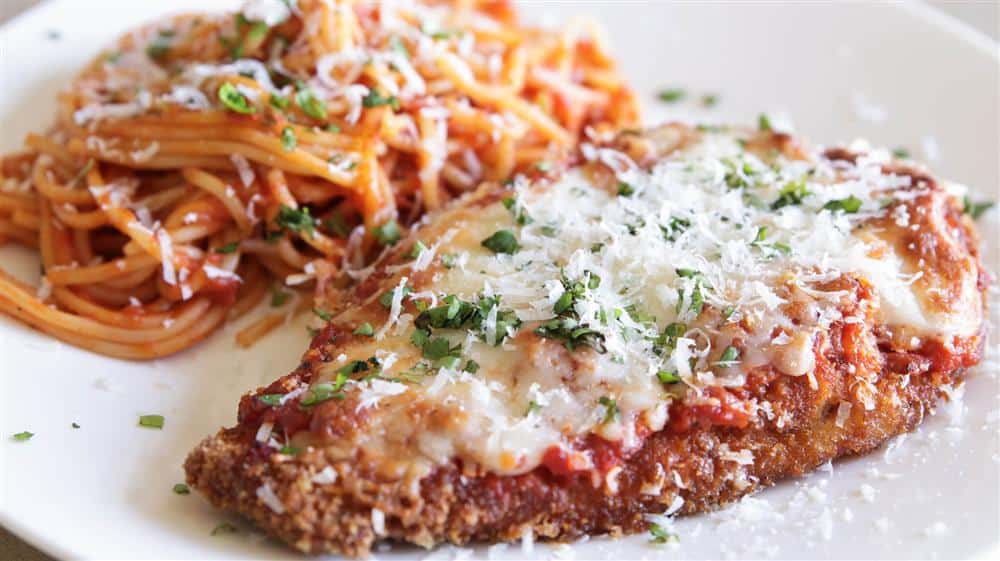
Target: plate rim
point(921, 10)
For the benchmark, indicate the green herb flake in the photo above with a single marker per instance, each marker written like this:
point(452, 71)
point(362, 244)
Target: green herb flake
point(612, 414)
point(75, 425)
point(417, 249)
point(850, 205)
point(388, 295)
point(502, 241)
point(533, 407)
point(764, 122)
point(625, 189)
point(181, 489)
point(448, 260)
point(793, 193)
point(296, 220)
point(325, 391)
point(230, 247)
point(310, 104)
point(290, 450)
point(668, 377)
point(659, 534)
point(278, 296)
point(387, 233)
point(671, 95)
point(901, 153)
point(517, 211)
point(730, 356)
point(151, 421)
point(376, 99)
point(272, 399)
point(709, 100)
point(23, 436)
point(288, 139)
point(366, 330)
point(234, 100)
point(279, 101)
point(975, 209)
point(471, 366)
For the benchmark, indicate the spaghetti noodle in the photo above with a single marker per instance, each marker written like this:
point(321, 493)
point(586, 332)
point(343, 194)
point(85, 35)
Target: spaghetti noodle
point(204, 163)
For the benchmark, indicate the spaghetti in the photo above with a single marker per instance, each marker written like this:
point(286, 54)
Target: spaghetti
point(205, 163)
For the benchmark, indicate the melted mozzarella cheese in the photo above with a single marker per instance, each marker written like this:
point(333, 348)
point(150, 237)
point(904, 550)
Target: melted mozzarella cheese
point(698, 242)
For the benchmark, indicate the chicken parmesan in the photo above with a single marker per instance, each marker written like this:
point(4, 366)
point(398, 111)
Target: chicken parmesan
point(683, 316)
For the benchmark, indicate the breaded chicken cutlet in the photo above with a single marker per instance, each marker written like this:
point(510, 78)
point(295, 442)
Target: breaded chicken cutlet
point(684, 317)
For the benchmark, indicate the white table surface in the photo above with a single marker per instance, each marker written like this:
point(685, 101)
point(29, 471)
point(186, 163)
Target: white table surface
point(983, 15)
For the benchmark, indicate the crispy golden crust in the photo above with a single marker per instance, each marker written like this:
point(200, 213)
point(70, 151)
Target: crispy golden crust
point(455, 506)
point(700, 456)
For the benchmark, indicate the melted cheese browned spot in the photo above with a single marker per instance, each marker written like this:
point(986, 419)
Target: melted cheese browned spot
point(668, 286)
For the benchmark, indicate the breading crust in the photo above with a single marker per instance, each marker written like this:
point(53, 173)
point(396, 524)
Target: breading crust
point(458, 507)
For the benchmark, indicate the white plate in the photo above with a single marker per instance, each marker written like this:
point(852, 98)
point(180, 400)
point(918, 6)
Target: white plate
point(104, 490)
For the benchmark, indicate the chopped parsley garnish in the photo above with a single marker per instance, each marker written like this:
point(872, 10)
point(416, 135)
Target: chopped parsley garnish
point(471, 367)
point(224, 528)
point(296, 220)
point(326, 391)
point(709, 100)
point(417, 249)
point(671, 95)
point(850, 205)
point(234, 100)
point(515, 208)
point(230, 247)
point(388, 233)
point(376, 99)
point(502, 241)
point(181, 489)
point(533, 407)
point(151, 421)
point(23, 436)
point(668, 377)
point(660, 534)
point(365, 329)
point(288, 139)
point(290, 450)
point(279, 101)
point(764, 122)
point(975, 209)
point(566, 325)
point(625, 189)
point(448, 260)
point(388, 295)
point(278, 296)
point(901, 153)
point(332, 128)
point(272, 399)
point(674, 228)
point(309, 103)
point(761, 236)
point(728, 312)
point(459, 314)
point(693, 303)
point(791, 194)
point(730, 356)
point(611, 414)
point(322, 314)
